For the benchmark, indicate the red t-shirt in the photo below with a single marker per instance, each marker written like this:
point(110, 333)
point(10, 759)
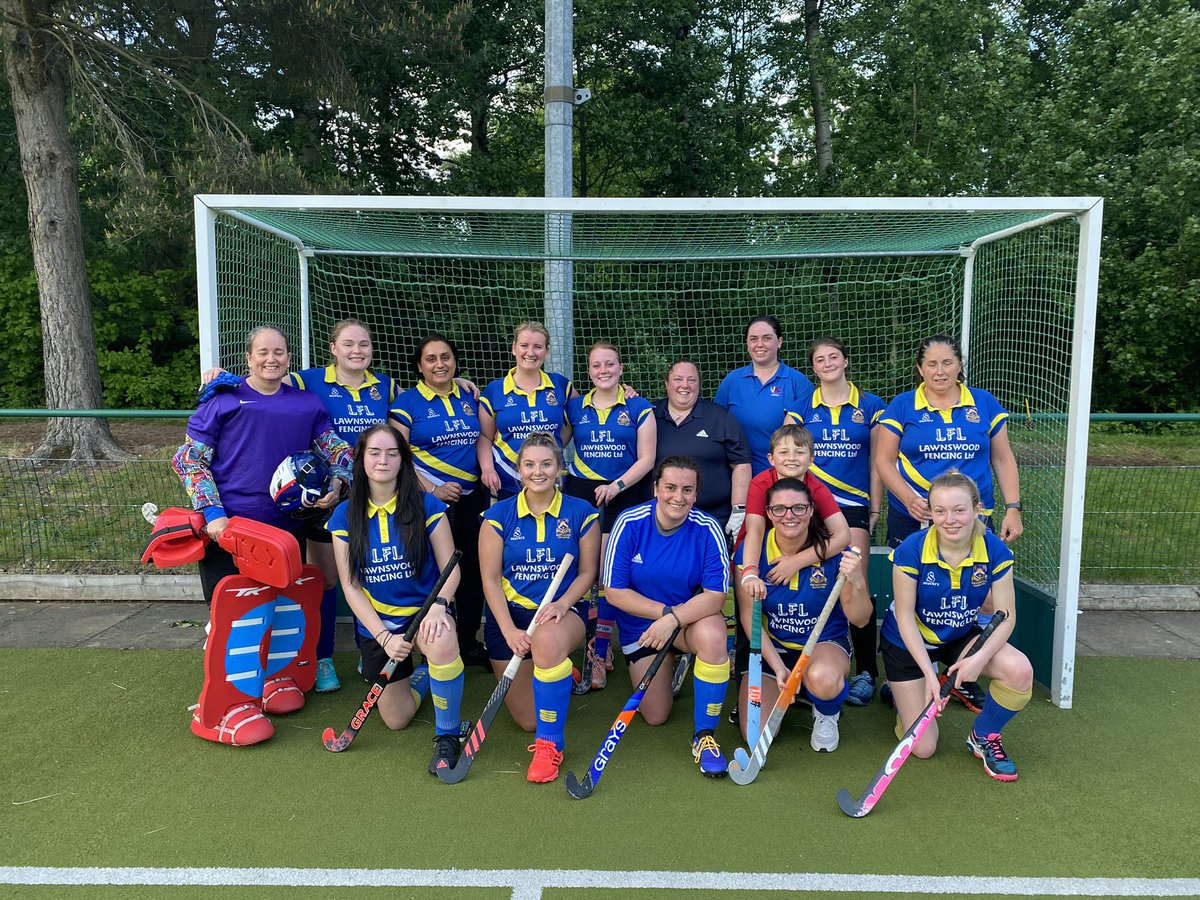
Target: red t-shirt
point(756, 496)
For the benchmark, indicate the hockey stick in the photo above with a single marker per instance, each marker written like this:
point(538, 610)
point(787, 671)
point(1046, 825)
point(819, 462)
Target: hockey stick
point(745, 766)
point(580, 790)
point(754, 689)
point(456, 773)
point(856, 809)
point(340, 742)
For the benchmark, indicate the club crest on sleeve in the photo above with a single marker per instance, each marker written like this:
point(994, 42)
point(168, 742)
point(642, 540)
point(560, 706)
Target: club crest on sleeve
point(857, 417)
point(979, 576)
point(623, 418)
point(973, 415)
point(816, 579)
point(562, 530)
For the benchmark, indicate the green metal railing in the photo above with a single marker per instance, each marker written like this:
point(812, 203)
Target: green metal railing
point(1139, 520)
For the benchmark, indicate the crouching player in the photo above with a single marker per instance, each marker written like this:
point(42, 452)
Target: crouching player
point(666, 565)
point(390, 540)
point(790, 610)
point(521, 544)
point(940, 578)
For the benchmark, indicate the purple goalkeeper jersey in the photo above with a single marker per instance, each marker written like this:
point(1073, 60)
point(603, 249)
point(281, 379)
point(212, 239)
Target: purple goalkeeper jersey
point(250, 434)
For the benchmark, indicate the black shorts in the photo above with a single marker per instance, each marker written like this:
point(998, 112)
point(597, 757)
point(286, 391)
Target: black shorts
point(314, 530)
point(585, 489)
point(374, 659)
point(857, 516)
point(493, 637)
point(900, 666)
point(643, 652)
point(787, 654)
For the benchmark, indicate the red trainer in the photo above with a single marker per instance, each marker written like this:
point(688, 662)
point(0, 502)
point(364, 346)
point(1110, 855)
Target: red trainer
point(546, 760)
point(282, 696)
point(241, 726)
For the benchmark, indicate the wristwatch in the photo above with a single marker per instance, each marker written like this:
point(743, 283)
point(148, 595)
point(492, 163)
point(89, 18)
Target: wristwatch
point(620, 484)
point(1016, 506)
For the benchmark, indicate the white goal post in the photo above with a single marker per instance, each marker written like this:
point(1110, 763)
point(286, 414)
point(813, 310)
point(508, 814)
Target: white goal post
point(1015, 278)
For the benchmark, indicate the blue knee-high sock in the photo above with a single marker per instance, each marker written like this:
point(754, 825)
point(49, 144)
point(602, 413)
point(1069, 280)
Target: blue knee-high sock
point(709, 681)
point(604, 625)
point(328, 623)
point(1002, 704)
point(832, 706)
point(446, 689)
point(551, 694)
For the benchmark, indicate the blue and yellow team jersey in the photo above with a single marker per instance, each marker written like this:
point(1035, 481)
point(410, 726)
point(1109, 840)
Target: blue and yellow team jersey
point(669, 568)
point(353, 410)
point(388, 579)
point(605, 439)
point(933, 441)
point(842, 443)
point(761, 408)
point(442, 432)
point(791, 610)
point(948, 597)
point(519, 414)
point(535, 545)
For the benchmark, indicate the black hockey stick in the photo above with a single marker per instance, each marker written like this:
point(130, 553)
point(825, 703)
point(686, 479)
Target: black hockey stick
point(456, 773)
point(856, 809)
point(582, 789)
point(341, 742)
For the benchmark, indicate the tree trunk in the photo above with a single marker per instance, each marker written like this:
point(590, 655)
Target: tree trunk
point(51, 170)
point(822, 131)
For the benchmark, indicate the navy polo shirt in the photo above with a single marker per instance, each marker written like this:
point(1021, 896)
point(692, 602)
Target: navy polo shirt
point(712, 437)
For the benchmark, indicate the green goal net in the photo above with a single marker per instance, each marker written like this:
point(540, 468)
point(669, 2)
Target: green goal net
point(671, 279)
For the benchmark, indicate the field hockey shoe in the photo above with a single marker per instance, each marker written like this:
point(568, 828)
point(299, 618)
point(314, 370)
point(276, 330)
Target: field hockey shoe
point(680, 674)
point(281, 696)
point(862, 689)
point(707, 754)
point(446, 749)
point(546, 760)
point(327, 680)
point(825, 732)
point(600, 669)
point(968, 693)
point(242, 725)
point(995, 761)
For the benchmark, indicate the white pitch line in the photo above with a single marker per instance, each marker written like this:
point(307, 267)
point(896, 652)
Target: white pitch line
point(527, 884)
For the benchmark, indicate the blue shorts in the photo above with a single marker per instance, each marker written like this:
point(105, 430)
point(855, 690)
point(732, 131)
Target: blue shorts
point(493, 637)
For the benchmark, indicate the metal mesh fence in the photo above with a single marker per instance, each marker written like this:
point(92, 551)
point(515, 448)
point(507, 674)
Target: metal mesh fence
point(82, 520)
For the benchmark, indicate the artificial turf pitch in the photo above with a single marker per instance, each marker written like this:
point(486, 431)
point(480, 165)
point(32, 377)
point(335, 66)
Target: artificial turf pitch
point(100, 769)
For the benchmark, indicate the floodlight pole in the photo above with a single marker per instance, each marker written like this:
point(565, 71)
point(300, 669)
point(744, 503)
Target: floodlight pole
point(559, 101)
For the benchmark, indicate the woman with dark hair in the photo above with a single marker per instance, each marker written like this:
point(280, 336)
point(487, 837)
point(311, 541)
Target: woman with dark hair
point(441, 423)
point(523, 540)
point(667, 567)
point(944, 425)
point(391, 539)
point(790, 610)
point(760, 394)
point(235, 440)
point(940, 579)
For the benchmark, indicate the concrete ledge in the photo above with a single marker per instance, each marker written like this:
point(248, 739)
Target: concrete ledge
point(1139, 597)
point(133, 588)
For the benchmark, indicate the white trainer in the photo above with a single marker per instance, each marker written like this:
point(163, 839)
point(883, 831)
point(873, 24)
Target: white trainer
point(825, 732)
